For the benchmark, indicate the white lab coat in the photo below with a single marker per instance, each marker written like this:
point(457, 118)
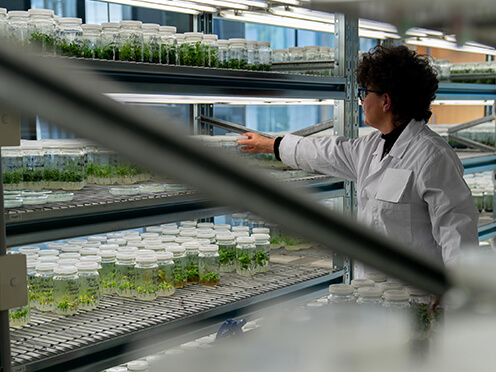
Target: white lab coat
point(416, 194)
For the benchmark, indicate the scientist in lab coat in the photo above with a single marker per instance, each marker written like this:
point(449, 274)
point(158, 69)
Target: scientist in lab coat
point(410, 183)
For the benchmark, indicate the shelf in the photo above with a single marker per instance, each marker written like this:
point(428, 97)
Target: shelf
point(122, 329)
point(176, 80)
point(475, 162)
point(302, 66)
point(473, 76)
point(94, 210)
point(460, 91)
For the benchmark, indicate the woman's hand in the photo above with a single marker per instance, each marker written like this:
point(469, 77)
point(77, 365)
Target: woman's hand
point(256, 143)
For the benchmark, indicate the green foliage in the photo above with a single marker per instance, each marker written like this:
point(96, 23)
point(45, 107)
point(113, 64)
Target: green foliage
point(168, 54)
point(101, 171)
point(226, 256)
point(69, 50)
point(14, 177)
point(164, 286)
point(125, 283)
point(71, 176)
point(179, 274)
point(422, 317)
point(237, 64)
point(209, 278)
point(51, 174)
point(35, 175)
point(87, 299)
point(110, 52)
point(106, 283)
point(245, 260)
point(148, 288)
point(125, 171)
point(262, 258)
point(44, 42)
point(19, 314)
point(67, 304)
point(193, 272)
point(131, 51)
point(192, 54)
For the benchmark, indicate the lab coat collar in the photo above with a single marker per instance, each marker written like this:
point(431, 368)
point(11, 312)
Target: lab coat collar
point(401, 144)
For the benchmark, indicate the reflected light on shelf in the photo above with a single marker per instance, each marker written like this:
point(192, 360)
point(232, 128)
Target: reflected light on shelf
point(488, 102)
point(451, 45)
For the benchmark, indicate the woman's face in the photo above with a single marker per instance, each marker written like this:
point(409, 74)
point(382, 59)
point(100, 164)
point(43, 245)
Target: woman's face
point(373, 108)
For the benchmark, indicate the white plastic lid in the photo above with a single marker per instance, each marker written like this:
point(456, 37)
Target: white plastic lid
point(224, 237)
point(18, 13)
point(162, 256)
point(190, 345)
point(131, 23)
point(130, 233)
point(387, 286)
point(88, 251)
point(145, 251)
point(91, 245)
point(241, 234)
point(71, 249)
point(29, 250)
point(237, 41)
point(264, 43)
point(341, 289)
point(183, 239)
point(191, 246)
point(188, 223)
point(137, 365)
point(56, 245)
point(107, 247)
point(67, 261)
point(47, 259)
point(186, 34)
point(168, 238)
point(202, 225)
point(171, 227)
point(369, 292)
point(188, 233)
point(91, 27)
point(46, 12)
point(167, 245)
point(245, 240)
point(296, 49)
point(66, 269)
point(110, 25)
point(414, 291)
point(107, 253)
point(151, 26)
point(126, 255)
point(168, 29)
point(116, 369)
point(260, 230)
point(97, 238)
point(154, 229)
point(359, 283)
point(77, 21)
point(3, 11)
point(46, 266)
point(376, 277)
point(206, 235)
point(77, 241)
point(96, 259)
point(396, 295)
point(31, 264)
point(209, 248)
point(87, 266)
point(210, 37)
point(240, 228)
point(325, 49)
point(118, 241)
point(222, 226)
point(178, 249)
point(149, 235)
point(260, 237)
point(146, 258)
point(312, 47)
point(70, 255)
point(223, 42)
point(128, 248)
point(30, 257)
point(155, 246)
point(132, 238)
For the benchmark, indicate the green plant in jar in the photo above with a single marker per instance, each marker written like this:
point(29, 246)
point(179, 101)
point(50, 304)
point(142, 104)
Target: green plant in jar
point(107, 272)
point(180, 266)
point(71, 49)
point(146, 277)
point(89, 285)
point(210, 279)
point(124, 274)
point(14, 177)
point(165, 273)
point(209, 265)
point(245, 256)
point(66, 290)
point(41, 41)
point(227, 253)
point(19, 316)
point(192, 252)
point(42, 295)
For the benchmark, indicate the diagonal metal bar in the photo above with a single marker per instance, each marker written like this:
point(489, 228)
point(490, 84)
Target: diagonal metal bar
point(319, 127)
point(30, 85)
point(470, 143)
point(233, 127)
point(470, 124)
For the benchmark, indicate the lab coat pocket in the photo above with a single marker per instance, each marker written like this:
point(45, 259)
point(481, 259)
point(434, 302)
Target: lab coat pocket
point(393, 185)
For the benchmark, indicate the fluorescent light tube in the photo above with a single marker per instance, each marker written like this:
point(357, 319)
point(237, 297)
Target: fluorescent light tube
point(148, 5)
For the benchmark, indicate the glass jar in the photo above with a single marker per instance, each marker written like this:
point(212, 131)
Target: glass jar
point(29, 250)
point(361, 283)
point(131, 41)
point(296, 54)
point(137, 365)
point(181, 47)
point(103, 169)
point(262, 244)
point(110, 41)
point(18, 26)
point(51, 168)
point(280, 55)
point(89, 285)
point(211, 50)
point(341, 293)
point(168, 44)
point(209, 265)
point(19, 316)
point(252, 56)
point(165, 281)
point(193, 51)
point(70, 248)
point(264, 56)
point(3, 23)
point(73, 175)
point(312, 53)
point(326, 54)
point(371, 296)
point(388, 286)
point(421, 312)
point(71, 35)
point(256, 222)
point(107, 272)
point(41, 27)
point(488, 197)
point(151, 43)
point(124, 274)
point(43, 297)
point(31, 276)
point(376, 277)
point(478, 198)
point(227, 253)
point(91, 41)
point(246, 256)
point(188, 223)
point(192, 252)
point(223, 54)
point(32, 164)
point(180, 266)
point(66, 290)
point(222, 228)
point(12, 168)
point(396, 302)
point(238, 56)
point(146, 277)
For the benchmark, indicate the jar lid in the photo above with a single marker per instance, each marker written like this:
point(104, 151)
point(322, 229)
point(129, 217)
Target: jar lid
point(106, 247)
point(128, 248)
point(77, 241)
point(341, 289)
point(260, 230)
point(178, 249)
point(132, 238)
point(376, 277)
point(96, 259)
point(137, 365)
point(223, 42)
point(396, 295)
point(387, 286)
point(154, 229)
point(414, 291)
point(202, 225)
point(241, 234)
point(191, 246)
point(296, 49)
point(312, 47)
point(118, 241)
point(67, 261)
point(89, 251)
point(164, 255)
point(369, 292)
point(30, 257)
point(168, 238)
point(56, 245)
point(65, 269)
point(167, 245)
point(206, 235)
point(126, 255)
point(90, 27)
point(188, 233)
point(151, 26)
point(260, 237)
point(222, 227)
point(77, 21)
point(48, 259)
point(149, 235)
point(46, 266)
point(29, 249)
point(131, 23)
point(239, 215)
point(3, 11)
point(146, 258)
point(18, 13)
point(97, 238)
point(117, 369)
point(46, 12)
point(209, 248)
point(91, 245)
point(240, 228)
point(170, 227)
point(225, 237)
point(187, 34)
point(155, 246)
point(130, 233)
point(74, 255)
point(32, 264)
point(168, 29)
point(210, 37)
point(188, 223)
point(359, 283)
point(107, 253)
point(325, 49)
point(183, 239)
point(110, 25)
point(237, 41)
point(190, 345)
point(245, 240)
point(264, 43)
point(87, 266)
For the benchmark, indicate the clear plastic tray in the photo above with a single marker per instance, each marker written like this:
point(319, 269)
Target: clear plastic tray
point(152, 187)
point(124, 190)
point(60, 196)
point(34, 200)
point(12, 203)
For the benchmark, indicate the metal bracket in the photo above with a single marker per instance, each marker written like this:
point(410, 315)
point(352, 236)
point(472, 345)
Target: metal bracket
point(470, 124)
point(10, 127)
point(13, 281)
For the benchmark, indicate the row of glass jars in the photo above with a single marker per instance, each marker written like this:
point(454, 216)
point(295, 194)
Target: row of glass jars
point(299, 54)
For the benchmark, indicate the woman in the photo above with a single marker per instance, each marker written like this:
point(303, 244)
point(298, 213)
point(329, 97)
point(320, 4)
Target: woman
point(410, 182)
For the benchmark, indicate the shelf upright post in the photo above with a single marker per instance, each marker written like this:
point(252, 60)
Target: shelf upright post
point(346, 44)
point(204, 23)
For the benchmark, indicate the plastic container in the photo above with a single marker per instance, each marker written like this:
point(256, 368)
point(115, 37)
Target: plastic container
point(124, 274)
point(66, 290)
point(102, 168)
point(246, 256)
point(168, 44)
point(488, 198)
point(264, 56)
point(151, 43)
point(29, 250)
point(238, 56)
point(192, 51)
point(180, 266)
point(296, 54)
point(210, 43)
point(252, 56)
point(146, 277)
point(421, 313)
point(71, 37)
point(18, 26)
point(397, 302)
point(341, 293)
point(131, 41)
point(227, 253)
point(280, 55)
point(369, 296)
point(12, 168)
point(478, 198)
point(262, 245)
point(209, 265)
point(165, 285)
point(43, 298)
point(387, 286)
point(361, 283)
point(110, 41)
point(312, 53)
point(376, 277)
point(124, 190)
point(91, 41)
point(89, 285)
point(137, 365)
point(31, 277)
point(32, 163)
point(223, 54)
point(19, 316)
point(192, 252)
point(107, 272)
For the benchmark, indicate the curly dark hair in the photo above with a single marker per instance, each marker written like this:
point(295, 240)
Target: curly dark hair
point(406, 76)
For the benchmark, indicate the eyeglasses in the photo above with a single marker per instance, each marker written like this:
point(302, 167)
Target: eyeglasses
point(362, 93)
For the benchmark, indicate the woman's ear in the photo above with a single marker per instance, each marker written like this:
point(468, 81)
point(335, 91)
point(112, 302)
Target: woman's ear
point(387, 102)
